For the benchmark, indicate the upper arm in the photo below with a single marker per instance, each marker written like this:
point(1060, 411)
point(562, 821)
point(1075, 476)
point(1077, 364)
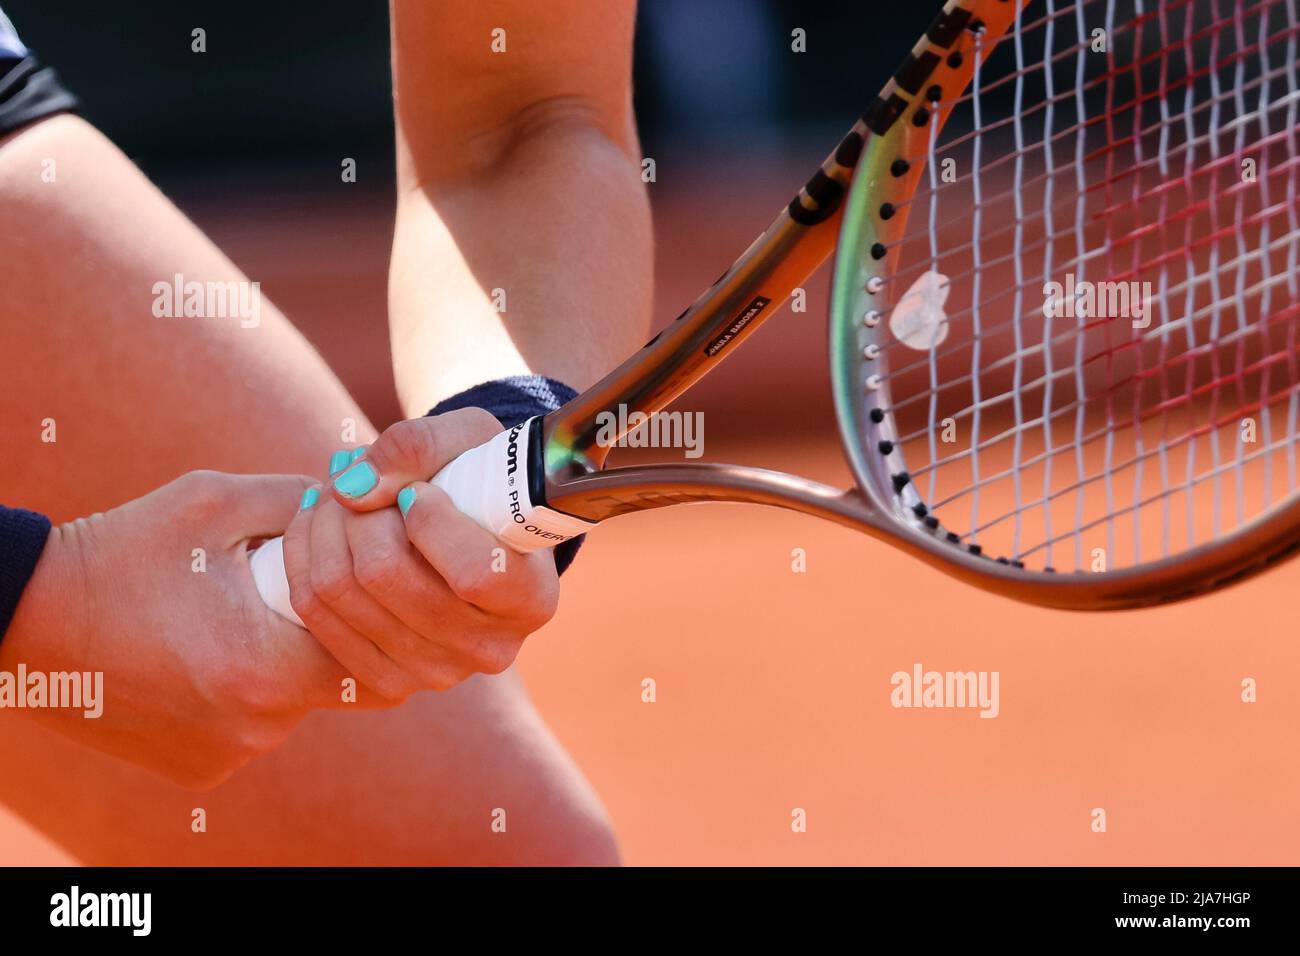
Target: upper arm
point(462, 100)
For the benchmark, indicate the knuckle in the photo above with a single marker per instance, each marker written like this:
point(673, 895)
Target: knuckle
point(391, 686)
point(331, 579)
point(205, 492)
point(303, 599)
point(420, 519)
point(470, 581)
point(259, 737)
point(200, 477)
point(377, 570)
point(209, 763)
point(259, 697)
point(482, 423)
point(492, 654)
point(189, 481)
point(407, 442)
point(439, 676)
point(545, 602)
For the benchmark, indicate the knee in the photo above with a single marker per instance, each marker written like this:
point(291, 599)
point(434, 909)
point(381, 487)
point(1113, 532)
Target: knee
point(583, 839)
point(593, 844)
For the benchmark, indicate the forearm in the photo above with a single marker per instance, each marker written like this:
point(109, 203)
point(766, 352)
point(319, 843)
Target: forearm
point(523, 239)
point(558, 239)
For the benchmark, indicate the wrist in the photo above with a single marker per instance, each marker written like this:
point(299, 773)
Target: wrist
point(39, 629)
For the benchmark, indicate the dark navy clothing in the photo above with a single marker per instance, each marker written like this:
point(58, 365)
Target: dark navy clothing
point(28, 90)
point(22, 539)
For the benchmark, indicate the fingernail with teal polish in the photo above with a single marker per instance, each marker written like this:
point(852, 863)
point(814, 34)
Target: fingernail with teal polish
point(339, 460)
point(357, 453)
point(309, 498)
point(357, 480)
point(405, 498)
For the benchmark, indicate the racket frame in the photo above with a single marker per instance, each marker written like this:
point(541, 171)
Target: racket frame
point(898, 125)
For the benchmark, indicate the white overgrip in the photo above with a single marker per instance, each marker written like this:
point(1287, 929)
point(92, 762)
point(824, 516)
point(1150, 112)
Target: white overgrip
point(488, 483)
point(267, 565)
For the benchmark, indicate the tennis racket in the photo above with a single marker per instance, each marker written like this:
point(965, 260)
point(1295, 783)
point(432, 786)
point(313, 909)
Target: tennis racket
point(1063, 331)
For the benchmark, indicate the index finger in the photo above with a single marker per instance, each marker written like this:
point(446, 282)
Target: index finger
point(410, 451)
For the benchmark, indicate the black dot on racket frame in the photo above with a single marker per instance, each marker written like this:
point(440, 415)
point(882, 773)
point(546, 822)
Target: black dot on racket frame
point(1018, 564)
point(850, 148)
point(899, 167)
point(1004, 561)
point(887, 210)
point(885, 446)
point(954, 59)
point(974, 549)
point(900, 481)
point(934, 94)
point(977, 26)
point(931, 522)
point(876, 415)
point(878, 250)
point(921, 117)
point(952, 536)
point(1049, 570)
point(920, 510)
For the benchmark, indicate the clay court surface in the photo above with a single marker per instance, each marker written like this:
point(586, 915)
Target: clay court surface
point(773, 687)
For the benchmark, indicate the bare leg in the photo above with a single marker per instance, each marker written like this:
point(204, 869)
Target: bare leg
point(138, 399)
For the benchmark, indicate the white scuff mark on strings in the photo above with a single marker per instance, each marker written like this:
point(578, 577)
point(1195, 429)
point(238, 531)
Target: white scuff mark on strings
point(919, 320)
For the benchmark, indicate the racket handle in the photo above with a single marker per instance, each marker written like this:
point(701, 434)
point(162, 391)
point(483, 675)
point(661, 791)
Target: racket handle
point(490, 483)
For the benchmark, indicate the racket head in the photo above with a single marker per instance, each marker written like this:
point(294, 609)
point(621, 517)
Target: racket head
point(1080, 460)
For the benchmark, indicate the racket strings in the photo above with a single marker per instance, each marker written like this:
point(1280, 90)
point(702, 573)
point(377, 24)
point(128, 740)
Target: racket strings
point(1246, 255)
point(1129, 172)
point(1262, 405)
point(956, 143)
point(1082, 425)
point(1159, 497)
point(1137, 459)
point(1169, 403)
point(1286, 167)
point(1190, 283)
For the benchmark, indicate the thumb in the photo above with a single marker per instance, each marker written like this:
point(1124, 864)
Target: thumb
point(410, 451)
point(259, 506)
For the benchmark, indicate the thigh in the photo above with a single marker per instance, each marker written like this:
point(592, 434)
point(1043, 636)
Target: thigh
point(469, 777)
point(107, 395)
point(132, 399)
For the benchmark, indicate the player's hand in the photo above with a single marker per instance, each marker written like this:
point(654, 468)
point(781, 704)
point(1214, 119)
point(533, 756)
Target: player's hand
point(417, 596)
point(198, 675)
